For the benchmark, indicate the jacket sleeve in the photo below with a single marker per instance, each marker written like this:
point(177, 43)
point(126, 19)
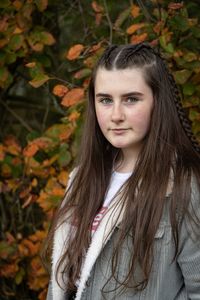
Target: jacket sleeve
point(189, 256)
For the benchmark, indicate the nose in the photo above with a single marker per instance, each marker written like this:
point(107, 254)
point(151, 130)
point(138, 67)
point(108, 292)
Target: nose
point(117, 113)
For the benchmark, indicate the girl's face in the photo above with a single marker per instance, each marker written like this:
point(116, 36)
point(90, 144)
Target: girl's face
point(123, 104)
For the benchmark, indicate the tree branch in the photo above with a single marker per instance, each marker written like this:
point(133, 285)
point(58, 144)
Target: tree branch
point(16, 116)
point(109, 21)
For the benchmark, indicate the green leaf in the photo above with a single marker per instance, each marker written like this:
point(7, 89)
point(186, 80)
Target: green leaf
point(194, 115)
point(188, 89)
point(190, 56)
point(182, 76)
point(19, 276)
point(64, 155)
point(4, 3)
point(39, 80)
point(16, 42)
point(179, 23)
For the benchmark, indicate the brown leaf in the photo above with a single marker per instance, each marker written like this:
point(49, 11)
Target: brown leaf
point(97, 7)
point(133, 28)
point(98, 18)
point(175, 6)
point(135, 39)
point(31, 64)
point(73, 97)
point(74, 52)
point(60, 90)
point(4, 24)
point(2, 152)
point(135, 11)
point(158, 27)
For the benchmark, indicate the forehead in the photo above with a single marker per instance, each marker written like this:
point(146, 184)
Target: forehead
point(125, 80)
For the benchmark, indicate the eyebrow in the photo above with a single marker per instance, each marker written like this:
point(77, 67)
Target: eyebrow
point(123, 95)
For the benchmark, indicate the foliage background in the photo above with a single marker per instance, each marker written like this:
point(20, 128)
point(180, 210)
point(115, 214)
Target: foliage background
point(47, 51)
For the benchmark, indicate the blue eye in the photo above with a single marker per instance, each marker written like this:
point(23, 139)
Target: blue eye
point(106, 100)
point(131, 99)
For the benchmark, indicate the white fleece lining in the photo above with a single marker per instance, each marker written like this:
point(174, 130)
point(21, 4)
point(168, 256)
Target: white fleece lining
point(103, 233)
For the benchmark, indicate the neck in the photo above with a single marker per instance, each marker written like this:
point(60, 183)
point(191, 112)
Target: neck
point(128, 161)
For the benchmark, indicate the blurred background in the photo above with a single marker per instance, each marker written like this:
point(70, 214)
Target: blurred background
point(47, 51)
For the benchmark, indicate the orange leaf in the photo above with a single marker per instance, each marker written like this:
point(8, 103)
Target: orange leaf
point(74, 116)
point(30, 150)
point(9, 270)
point(63, 177)
point(175, 6)
point(96, 47)
point(12, 145)
point(158, 27)
point(135, 11)
point(60, 90)
point(34, 182)
point(135, 39)
point(96, 7)
point(74, 51)
point(2, 152)
point(66, 134)
point(17, 4)
point(73, 97)
point(133, 28)
point(17, 30)
point(39, 235)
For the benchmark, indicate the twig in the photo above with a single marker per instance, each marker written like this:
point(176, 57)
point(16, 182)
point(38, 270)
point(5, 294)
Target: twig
point(16, 116)
point(145, 11)
point(109, 21)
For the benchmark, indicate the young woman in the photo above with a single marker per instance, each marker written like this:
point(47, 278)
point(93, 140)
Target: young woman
point(129, 226)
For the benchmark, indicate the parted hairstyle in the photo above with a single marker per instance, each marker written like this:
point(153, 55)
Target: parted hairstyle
point(169, 153)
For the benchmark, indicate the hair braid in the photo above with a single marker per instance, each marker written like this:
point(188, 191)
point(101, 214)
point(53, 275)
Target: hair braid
point(181, 113)
point(177, 100)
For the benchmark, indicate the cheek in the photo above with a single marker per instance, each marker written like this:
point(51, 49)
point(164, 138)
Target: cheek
point(141, 120)
point(101, 118)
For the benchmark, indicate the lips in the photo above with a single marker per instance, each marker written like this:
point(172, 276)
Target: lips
point(119, 130)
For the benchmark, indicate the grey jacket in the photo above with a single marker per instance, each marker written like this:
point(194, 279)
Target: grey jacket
point(169, 280)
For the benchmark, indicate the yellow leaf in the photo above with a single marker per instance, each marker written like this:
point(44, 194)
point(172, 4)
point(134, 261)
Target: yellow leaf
point(133, 28)
point(17, 30)
point(31, 64)
point(39, 80)
point(75, 51)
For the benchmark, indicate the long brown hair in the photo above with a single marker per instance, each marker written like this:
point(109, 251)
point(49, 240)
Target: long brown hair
point(169, 150)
